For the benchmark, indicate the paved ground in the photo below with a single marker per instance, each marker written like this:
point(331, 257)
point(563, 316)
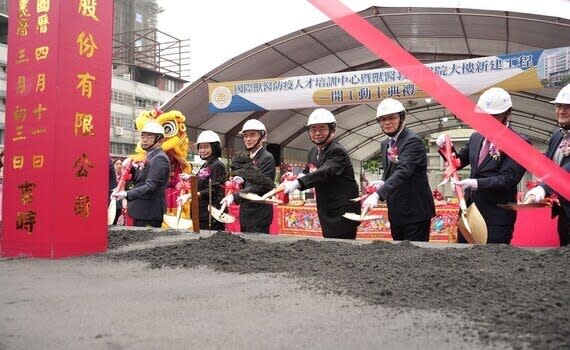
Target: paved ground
point(177, 294)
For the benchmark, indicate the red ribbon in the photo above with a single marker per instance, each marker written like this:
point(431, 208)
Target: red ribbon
point(445, 94)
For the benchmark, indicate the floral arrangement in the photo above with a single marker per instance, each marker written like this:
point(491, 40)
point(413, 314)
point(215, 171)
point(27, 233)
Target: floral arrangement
point(204, 173)
point(494, 152)
point(565, 146)
point(393, 154)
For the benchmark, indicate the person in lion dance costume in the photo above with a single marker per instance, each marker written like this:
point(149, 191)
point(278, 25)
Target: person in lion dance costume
point(175, 145)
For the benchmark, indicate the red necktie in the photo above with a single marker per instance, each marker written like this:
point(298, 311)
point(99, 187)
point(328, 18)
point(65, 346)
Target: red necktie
point(483, 152)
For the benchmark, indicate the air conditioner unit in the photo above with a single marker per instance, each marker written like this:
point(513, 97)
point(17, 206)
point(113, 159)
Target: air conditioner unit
point(119, 130)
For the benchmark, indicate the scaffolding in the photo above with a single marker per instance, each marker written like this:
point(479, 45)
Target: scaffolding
point(154, 50)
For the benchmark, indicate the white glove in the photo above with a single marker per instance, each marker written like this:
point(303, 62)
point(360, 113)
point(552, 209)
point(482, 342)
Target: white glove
point(229, 199)
point(535, 195)
point(126, 162)
point(238, 180)
point(440, 141)
point(183, 199)
point(371, 201)
point(184, 176)
point(301, 175)
point(290, 186)
point(377, 184)
point(119, 195)
point(468, 183)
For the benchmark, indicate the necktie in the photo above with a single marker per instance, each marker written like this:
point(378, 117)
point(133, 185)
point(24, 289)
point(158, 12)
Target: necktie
point(483, 152)
point(391, 145)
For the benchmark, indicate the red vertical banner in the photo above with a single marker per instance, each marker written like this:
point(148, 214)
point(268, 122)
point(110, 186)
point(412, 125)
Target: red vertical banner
point(57, 128)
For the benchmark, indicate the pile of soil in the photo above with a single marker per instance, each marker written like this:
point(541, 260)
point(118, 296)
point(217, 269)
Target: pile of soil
point(119, 238)
point(520, 296)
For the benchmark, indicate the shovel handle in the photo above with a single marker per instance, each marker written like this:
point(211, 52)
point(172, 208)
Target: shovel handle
point(276, 190)
point(364, 212)
point(223, 207)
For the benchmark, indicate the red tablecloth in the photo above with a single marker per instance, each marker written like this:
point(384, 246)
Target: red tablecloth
point(535, 228)
point(235, 226)
point(304, 221)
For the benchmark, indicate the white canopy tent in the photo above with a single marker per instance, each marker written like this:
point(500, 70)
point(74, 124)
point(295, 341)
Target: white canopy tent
point(431, 35)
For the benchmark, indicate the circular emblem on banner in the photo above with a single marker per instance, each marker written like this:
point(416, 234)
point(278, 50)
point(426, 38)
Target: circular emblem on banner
point(221, 97)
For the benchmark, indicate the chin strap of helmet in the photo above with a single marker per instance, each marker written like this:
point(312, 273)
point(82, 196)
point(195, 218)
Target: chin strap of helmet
point(254, 147)
point(400, 125)
point(157, 138)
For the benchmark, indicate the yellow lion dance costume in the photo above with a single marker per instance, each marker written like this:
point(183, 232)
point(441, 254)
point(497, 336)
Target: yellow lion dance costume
point(175, 145)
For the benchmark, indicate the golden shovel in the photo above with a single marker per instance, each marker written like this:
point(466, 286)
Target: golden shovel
point(111, 212)
point(471, 223)
point(362, 217)
point(112, 209)
point(177, 222)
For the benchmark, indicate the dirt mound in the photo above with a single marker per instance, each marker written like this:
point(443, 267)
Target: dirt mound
point(517, 295)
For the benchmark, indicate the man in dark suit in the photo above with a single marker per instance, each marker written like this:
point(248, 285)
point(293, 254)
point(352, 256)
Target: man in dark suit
point(255, 217)
point(494, 175)
point(333, 179)
point(405, 185)
point(146, 200)
point(559, 151)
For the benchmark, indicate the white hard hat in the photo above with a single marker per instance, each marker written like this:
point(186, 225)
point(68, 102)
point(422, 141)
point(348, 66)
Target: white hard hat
point(153, 127)
point(389, 106)
point(321, 116)
point(253, 124)
point(494, 101)
point(563, 96)
point(208, 136)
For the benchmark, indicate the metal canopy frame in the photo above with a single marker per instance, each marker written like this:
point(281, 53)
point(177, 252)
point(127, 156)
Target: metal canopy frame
point(431, 35)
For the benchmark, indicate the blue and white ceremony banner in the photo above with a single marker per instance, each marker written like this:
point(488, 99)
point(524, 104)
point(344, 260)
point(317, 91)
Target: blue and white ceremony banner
point(513, 72)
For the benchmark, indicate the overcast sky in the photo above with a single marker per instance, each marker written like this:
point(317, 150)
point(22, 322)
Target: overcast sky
point(221, 29)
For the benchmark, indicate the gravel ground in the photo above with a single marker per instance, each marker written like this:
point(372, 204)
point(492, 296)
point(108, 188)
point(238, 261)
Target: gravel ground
point(513, 295)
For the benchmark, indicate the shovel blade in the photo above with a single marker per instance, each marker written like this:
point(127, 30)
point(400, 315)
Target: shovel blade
point(473, 226)
point(221, 216)
point(111, 212)
point(359, 218)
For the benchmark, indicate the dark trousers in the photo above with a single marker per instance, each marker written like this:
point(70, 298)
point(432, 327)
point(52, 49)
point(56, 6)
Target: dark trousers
point(254, 228)
point(147, 223)
point(417, 231)
point(563, 229)
point(495, 234)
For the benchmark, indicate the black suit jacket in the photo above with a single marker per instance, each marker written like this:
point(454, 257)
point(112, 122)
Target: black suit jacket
point(406, 187)
point(334, 185)
point(497, 182)
point(555, 140)
point(213, 169)
point(251, 212)
point(146, 200)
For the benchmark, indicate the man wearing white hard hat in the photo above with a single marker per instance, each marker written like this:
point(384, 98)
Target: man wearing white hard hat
point(333, 179)
point(406, 188)
point(255, 217)
point(146, 200)
point(559, 151)
point(211, 175)
point(494, 175)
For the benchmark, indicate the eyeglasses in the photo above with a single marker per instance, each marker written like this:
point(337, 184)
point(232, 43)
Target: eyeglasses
point(318, 129)
point(562, 105)
point(387, 119)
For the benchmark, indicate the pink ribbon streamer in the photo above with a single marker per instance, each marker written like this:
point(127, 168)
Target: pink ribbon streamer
point(445, 94)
